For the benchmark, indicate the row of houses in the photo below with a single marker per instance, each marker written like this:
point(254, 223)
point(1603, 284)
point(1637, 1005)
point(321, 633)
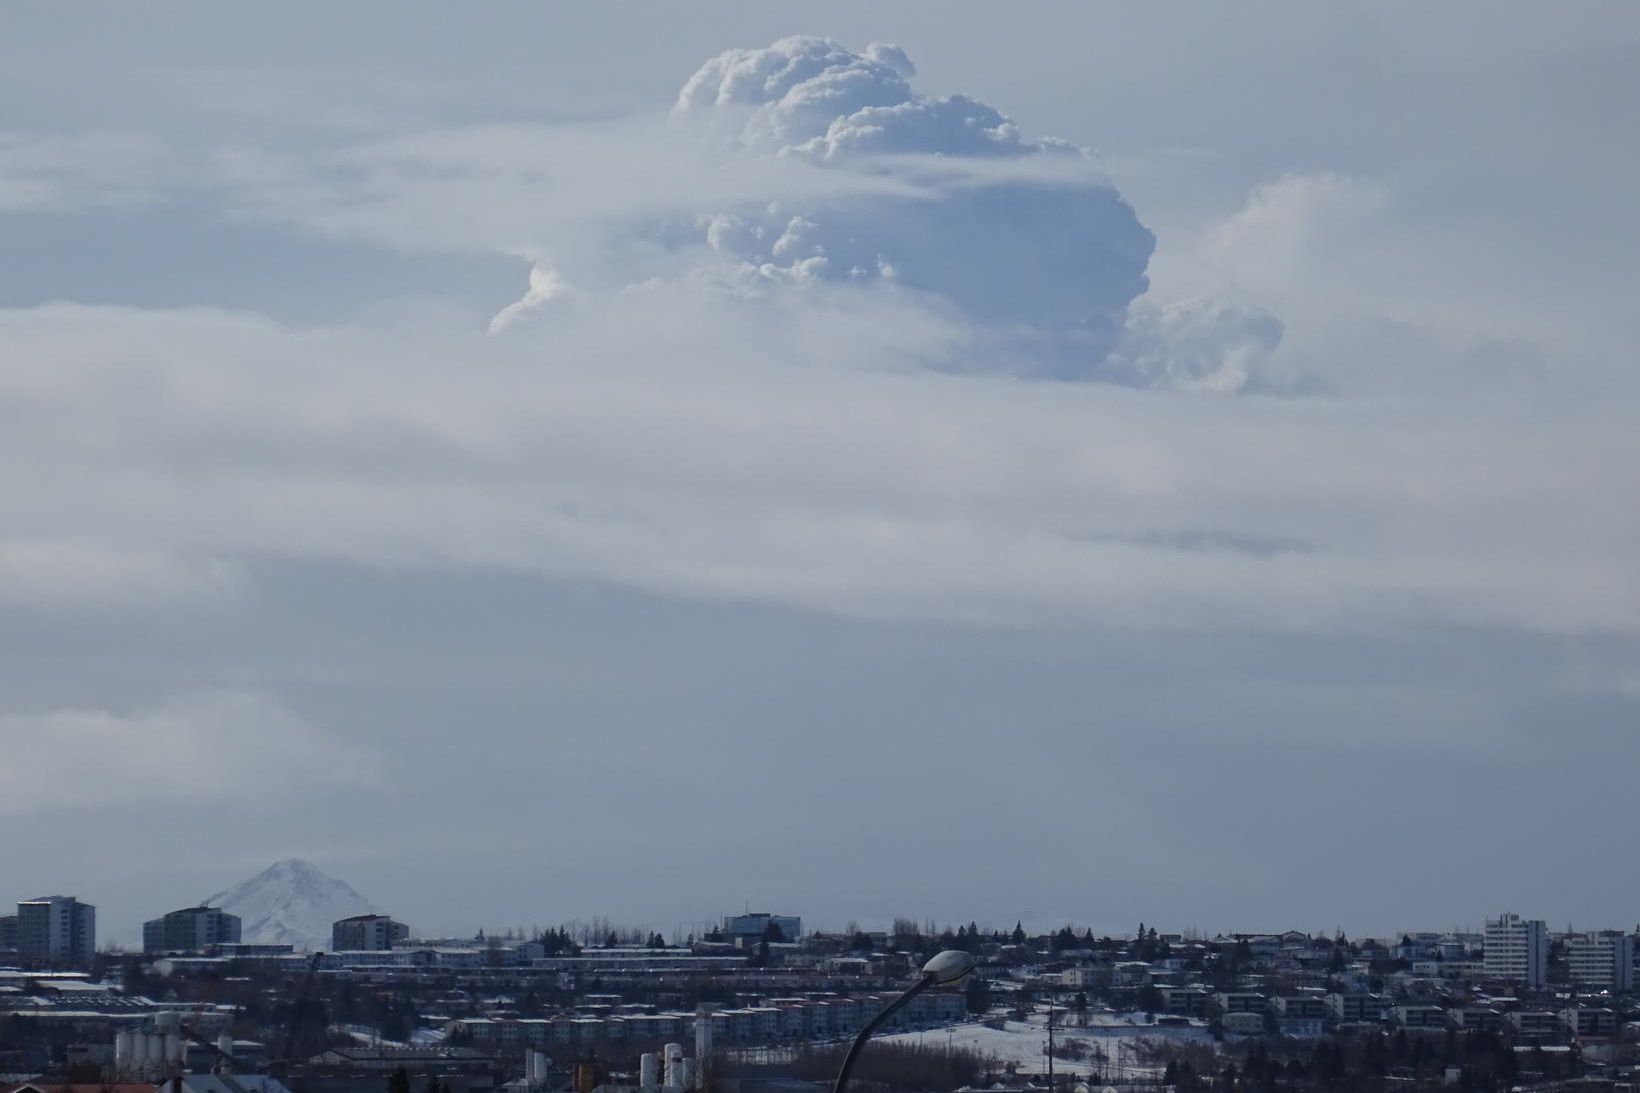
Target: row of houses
point(1309, 1014)
point(777, 1020)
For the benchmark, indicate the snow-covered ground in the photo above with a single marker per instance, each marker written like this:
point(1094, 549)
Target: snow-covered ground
point(1024, 1043)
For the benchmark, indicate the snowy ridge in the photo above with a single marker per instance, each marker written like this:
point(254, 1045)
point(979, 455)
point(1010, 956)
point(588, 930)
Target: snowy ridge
point(292, 902)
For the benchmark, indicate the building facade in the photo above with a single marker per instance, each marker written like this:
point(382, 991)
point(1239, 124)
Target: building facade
point(757, 927)
point(363, 933)
point(1601, 960)
point(56, 930)
point(1517, 951)
point(189, 930)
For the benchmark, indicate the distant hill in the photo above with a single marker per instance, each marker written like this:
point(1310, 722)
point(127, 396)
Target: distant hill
point(292, 902)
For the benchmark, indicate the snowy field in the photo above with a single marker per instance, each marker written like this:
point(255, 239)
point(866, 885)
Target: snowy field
point(1024, 1043)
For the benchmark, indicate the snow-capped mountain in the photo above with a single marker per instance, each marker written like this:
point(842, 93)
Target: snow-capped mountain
point(292, 902)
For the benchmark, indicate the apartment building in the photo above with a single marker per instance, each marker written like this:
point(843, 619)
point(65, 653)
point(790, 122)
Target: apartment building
point(190, 930)
point(1601, 960)
point(1589, 1021)
point(1355, 1007)
point(1517, 951)
point(758, 926)
point(1309, 1006)
point(1538, 1024)
point(1226, 1002)
point(1478, 1019)
point(363, 933)
point(1414, 1016)
point(1186, 1001)
point(56, 930)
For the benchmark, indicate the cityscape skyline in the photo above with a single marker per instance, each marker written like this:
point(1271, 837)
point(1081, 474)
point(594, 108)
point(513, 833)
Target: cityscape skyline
point(203, 919)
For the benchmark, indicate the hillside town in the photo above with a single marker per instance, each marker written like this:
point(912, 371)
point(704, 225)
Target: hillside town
point(205, 1008)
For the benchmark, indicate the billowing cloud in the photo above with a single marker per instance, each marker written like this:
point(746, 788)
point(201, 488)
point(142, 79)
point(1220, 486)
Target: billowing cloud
point(1051, 252)
point(201, 747)
point(1201, 343)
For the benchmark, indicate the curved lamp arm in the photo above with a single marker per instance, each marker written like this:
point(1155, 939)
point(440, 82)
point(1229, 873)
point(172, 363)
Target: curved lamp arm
point(946, 968)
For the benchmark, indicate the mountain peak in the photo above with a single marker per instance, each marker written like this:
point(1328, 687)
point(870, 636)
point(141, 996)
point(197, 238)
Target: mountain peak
point(292, 902)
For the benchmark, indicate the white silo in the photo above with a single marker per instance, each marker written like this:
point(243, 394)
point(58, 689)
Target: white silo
point(122, 1049)
point(672, 1056)
point(538, 1069)
point(173, 1048)
point(686, 1073)
point(648, 1070)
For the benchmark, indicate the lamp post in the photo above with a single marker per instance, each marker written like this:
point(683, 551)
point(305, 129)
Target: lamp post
point(944, 969)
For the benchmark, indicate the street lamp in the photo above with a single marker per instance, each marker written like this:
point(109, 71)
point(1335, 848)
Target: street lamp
point(943, 970)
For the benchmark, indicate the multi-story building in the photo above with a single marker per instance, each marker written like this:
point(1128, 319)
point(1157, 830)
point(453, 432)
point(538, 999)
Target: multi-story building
point(1539, 1024)
point(1186, 1001)
point(1589, 1021)
point(189, 930)
point(1130, 973)
point(8, 933)
point(1312, 1006)
point(363, 933)
point(1517, 950)
point(1240, 1002)
point(1415, 1016)
point(1478, 1018)
point(1601, 960)
point(758, 927)
point(56, 930)
point(1085, 976)
point(1355, 1007)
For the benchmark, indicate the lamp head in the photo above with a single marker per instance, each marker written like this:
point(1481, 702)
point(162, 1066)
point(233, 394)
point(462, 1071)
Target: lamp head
point(948, 967)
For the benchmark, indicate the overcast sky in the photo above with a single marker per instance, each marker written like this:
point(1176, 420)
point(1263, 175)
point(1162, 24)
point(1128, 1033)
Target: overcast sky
point(1070, 462)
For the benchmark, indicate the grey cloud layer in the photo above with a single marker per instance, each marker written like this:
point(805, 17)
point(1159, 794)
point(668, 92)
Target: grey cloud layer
point(200, 748)
point(653, 439)
point(707, 499)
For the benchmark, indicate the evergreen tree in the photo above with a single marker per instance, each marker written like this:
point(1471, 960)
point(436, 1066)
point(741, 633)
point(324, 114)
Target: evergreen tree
point(1019, 934)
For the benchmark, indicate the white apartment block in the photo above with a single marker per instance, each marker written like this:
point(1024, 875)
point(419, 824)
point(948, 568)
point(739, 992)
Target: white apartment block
point(190, 930)
point(56, 930)
point(363, 933)
point(1517, 950)
point(1601, 960)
